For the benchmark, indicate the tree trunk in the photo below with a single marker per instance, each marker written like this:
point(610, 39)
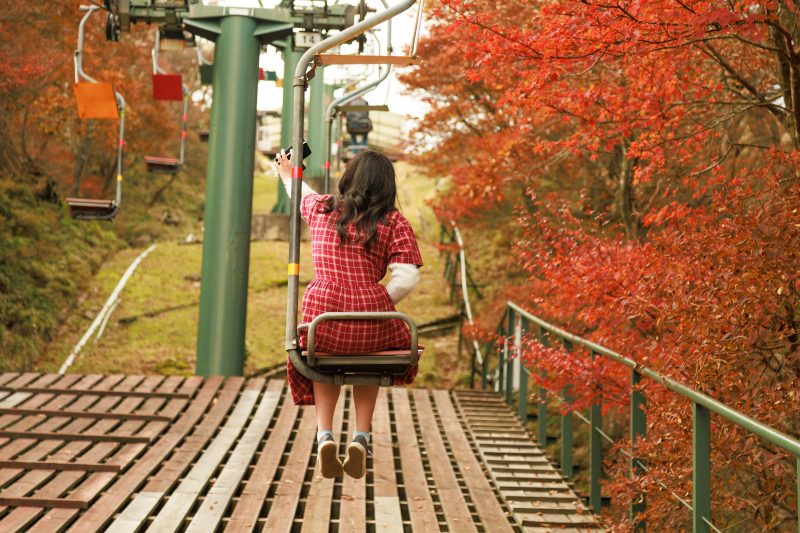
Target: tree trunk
point(789, 75)
point(621, 171)
point(160, 191)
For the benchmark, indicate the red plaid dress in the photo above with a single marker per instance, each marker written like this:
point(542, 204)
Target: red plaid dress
point(347, 278)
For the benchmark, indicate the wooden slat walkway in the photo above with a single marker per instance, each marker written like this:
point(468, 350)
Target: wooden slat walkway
point(135, 453)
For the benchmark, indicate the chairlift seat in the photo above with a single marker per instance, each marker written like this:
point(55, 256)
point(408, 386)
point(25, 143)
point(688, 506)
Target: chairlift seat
point(362, 108)
point(340, 59)
point(91, 209)
point(384, 362)
point(353, 150)
point(377, 368)
point(203, 135)
point(206, 74)
point(168, 87)
point(267, 75)
point(162, 165)
point(96, 100)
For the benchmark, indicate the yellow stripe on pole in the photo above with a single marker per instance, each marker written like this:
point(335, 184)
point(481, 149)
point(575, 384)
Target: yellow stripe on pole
point(119, 177)
point(294, 269)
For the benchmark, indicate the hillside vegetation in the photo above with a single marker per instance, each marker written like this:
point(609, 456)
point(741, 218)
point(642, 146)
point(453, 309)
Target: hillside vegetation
point(48, 260)
point(47, 154)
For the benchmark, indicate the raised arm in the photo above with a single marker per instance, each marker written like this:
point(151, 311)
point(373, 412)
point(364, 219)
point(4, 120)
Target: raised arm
point(284, 167)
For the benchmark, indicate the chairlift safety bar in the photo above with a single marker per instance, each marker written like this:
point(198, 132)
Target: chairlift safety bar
point(327, 317)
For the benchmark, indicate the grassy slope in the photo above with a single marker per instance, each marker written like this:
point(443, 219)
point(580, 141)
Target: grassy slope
point(166, 286)
point(48, 260)
point(38, 274)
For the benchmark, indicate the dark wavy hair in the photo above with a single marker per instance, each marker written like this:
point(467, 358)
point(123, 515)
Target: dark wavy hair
point(367, 195)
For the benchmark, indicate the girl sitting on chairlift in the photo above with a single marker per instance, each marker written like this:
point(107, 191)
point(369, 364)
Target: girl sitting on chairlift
point(356, 236)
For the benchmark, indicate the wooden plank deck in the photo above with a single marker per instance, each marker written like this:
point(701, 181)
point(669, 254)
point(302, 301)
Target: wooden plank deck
point(135, 453)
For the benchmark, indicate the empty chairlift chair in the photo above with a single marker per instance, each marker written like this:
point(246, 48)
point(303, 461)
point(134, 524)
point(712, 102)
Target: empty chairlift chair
point(168, 87)
point(97, 101)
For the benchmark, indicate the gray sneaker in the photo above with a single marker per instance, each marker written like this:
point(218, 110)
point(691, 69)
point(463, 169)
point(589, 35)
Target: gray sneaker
point(328, 460)
point(355, 464)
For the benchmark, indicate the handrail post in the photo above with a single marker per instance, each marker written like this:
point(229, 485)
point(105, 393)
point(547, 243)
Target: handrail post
point(520, 327)
point(509, 359)
point(595, 453)
point(638, 432)
point(485, 369)
point(541, 408)
point(566, 427)
point(501, 367)
point(701, 469)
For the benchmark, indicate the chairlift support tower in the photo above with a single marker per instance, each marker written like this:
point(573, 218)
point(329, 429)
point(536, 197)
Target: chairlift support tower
point(239, 34)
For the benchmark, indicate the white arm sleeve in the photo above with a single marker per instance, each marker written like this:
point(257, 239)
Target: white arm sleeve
point(404, 278)
point(305, 191)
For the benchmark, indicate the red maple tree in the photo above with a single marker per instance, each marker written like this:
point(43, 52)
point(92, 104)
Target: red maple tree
point(641, 159)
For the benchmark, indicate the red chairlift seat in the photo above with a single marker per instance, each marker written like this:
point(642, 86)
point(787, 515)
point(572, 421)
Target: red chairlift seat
point(89, 209)
point(162, 165)
point(168, 87)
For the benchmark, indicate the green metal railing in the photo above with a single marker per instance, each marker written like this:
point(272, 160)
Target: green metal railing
point(516, 321)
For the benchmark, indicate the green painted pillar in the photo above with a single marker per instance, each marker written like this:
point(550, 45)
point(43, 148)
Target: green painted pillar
point(290, 59)
point(566, 425)
point(316, 125)
point(638, 430)
point(701, 469)
point(229, 193)
point(595, 454)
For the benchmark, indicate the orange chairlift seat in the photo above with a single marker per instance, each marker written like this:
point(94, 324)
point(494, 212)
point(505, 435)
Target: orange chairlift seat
point(97, 100)
point(168, 87)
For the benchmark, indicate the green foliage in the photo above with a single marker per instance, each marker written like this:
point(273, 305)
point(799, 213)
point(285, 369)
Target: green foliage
point(48, 260)
point(45, 260)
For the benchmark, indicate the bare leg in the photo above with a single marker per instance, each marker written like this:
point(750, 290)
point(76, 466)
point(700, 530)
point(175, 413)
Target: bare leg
point(325, 399)
point(364, 397)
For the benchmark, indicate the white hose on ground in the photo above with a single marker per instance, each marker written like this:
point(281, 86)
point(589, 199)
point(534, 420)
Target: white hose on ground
point(106, 319)
point(105, 310)
point(464, 291)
